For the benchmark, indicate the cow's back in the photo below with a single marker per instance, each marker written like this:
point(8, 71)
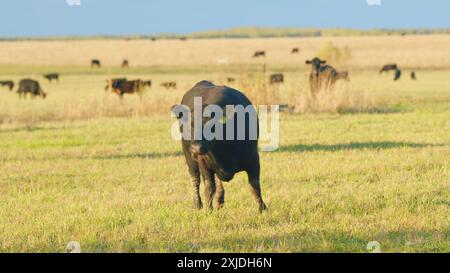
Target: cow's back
point(28, 85)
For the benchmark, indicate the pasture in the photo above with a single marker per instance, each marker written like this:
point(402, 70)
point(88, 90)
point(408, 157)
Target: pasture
point(372, 163)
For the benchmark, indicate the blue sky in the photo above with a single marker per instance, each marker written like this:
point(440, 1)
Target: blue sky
point(116, 17)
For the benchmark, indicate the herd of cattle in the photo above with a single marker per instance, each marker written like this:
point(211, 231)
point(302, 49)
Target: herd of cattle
point(322, 77)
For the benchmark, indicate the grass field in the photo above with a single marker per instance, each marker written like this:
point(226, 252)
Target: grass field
point(81, 166)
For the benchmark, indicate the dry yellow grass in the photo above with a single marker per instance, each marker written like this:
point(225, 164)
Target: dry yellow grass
point(367, 52)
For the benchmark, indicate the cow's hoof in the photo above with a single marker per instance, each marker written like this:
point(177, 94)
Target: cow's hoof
point(198, 205)
point(262, 208)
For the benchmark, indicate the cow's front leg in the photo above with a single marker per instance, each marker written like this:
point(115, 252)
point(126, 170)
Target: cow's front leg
point(197, 200)
point(220, 194)
point(210, 187)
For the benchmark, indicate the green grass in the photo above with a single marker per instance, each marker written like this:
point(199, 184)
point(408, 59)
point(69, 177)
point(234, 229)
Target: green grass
point(120, 184)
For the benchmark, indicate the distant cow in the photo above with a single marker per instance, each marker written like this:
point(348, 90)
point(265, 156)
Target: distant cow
point(52, 76)
point(32, 87)
point(208, 158)
point(9, 84)
point(96, 63)
point(342, 75)
point(398, 74)
point(231, 80)
point(110, 82)
point(128, 87)
point(260, 53)
point(413, 75)
point(322, 76)
point(388, 67)
point(125, 63)
point(276, 78)
point(169, 85)
point(295, 50)
point(147, 83)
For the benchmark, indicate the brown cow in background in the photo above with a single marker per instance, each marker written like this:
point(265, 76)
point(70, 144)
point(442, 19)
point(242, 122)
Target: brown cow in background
point(128, 87)
point(322, 76)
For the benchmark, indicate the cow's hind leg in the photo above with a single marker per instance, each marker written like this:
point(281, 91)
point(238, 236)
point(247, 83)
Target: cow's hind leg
point(220, 194)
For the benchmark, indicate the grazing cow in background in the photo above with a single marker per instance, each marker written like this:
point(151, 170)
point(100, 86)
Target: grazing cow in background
point(169, 85)
point(276, 78)
point(398, 74)
point(207, 159)
point(128, 87)
point(260, 53)
point(322, 76)
point(231, 80)
point(295, 50)
point(96, 63)
point(413, 75)
point(125, 63)
point(52, 76)
point(342, 75)
point(388, 67)
point(10, 84)
point(147, 83)
point(110, 82)
point(32, 87)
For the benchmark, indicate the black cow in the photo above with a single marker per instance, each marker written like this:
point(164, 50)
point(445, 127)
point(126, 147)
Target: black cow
point(32, 87)
point(52, 76)
point(221, 158)
point(110, 82)
point(128, 87)
point(125, 63)
point(10, 84)
point(147, 83)
point(295, 50)
point(322, 76)
point(276, 78)
point(96, 63)
point(169, 85)
point(413, 75)
point(398, 74)
point(260, 53)
point(231, 80)
point(388, 67)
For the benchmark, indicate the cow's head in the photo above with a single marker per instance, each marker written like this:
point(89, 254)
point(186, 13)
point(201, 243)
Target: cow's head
point(43, 94)
point(316, 63)
point(198, 134)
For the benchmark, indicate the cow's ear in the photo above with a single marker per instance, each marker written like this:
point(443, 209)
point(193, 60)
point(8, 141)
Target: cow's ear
point(323, 62)
point(175, 109)
point(308, 62)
